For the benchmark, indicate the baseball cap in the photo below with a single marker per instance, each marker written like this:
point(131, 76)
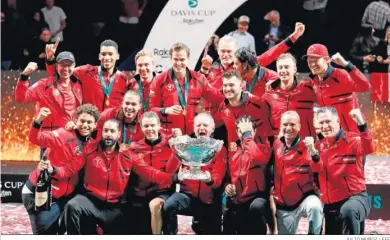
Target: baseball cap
point(65, 56)
point(316, 50)
point(243, 18)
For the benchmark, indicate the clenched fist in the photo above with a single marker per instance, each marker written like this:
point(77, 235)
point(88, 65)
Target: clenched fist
point(42, 115)
point(357, 116)
point(309, 142)
point(339, 60)
point(30, 68)
point(299, 30)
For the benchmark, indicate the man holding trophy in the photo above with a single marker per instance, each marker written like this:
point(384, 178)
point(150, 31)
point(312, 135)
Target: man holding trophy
point(204, 167)
point(246, 187)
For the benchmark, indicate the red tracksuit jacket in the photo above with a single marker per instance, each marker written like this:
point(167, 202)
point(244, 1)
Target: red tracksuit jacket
point(246, 169)
point(92, 89)
point(293, 177)
point(338, 90)
point(46, 94)
point(252, 106)
point(300, 99)
point(163, 94)
point(217, 70)
point(61, 145)
point(106, 179)
point(133, 131)
point(156, 154)
point(340, 167)
point(199, 189)
point(263, 76)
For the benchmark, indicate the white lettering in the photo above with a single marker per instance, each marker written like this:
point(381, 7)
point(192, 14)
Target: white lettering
point(6, 193)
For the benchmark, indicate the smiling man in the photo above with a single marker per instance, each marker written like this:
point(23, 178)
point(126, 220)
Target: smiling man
point(62, 146)
point(338, 159)
point(106, 175)
point(104, 85)
point(334, 86)
point(196, 197)
point(154, 150)
point(62, 95)
point(127, 115)
point(175, 93)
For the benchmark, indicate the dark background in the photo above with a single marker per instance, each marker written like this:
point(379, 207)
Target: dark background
point(343, 19)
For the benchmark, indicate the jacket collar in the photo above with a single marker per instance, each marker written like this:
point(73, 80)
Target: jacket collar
point(85, 138)
point(243, 99)
point(188, 74)
point(327, 74)
point(155, 142)
point(294, 143)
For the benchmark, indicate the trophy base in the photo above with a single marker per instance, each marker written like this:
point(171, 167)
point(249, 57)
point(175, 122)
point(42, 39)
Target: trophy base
point(194, 174)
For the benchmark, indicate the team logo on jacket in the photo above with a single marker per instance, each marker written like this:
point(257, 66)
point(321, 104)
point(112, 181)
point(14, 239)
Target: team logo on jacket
point(56, 92)
point(275, 96)
point(169, 87)
point(141, 155)
point(226, 112)
point(98, 161)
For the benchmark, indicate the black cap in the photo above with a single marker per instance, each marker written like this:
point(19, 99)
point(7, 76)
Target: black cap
point(65, 56)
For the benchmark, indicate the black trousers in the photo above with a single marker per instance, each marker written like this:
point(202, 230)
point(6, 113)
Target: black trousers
point(84, 213)
point(185, 204)
point(347, 217)
point(44, 222)
point(247, 218)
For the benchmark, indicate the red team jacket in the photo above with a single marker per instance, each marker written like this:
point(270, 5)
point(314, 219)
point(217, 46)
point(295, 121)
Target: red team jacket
point(46, 94)
point(106, 179)
point(293, 177)
point(253, 107)
point(340, 167)
point(132, 132)
point(338, 90)
point(247, 168)
point(163, 94)
point(199, 189)
point(62, 146)
point(217, 70)
point(91, 87)
point(156, 154)
point(301, 99)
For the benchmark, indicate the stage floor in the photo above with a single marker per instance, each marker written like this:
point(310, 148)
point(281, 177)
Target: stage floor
point(14, 220)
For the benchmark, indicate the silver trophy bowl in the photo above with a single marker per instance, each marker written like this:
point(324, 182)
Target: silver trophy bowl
point(195, 153)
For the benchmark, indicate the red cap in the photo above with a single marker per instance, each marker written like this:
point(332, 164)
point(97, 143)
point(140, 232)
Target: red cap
point(316, 50)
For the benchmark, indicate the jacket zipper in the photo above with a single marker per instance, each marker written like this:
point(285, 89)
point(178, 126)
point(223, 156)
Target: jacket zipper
point(346, 183)
point(281, 179)
point(326, 174)
point(108, 178)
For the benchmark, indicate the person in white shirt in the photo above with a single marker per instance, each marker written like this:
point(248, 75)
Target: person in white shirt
point(55, 17)
point(243, 37)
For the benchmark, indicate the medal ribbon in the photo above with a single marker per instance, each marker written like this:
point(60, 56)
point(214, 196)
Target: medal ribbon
point(106, 90)
point(254, 79)
point(124, 131)
point(145, 105)
point(183, 101)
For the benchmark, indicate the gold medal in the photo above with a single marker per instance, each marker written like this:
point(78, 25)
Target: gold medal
point(184, 111)
point(107, 103)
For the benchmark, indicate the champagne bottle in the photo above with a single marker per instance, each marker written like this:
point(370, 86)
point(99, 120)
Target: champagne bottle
point(43, 191)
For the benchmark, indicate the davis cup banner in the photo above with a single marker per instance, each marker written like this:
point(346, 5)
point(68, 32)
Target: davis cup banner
point(191, 22)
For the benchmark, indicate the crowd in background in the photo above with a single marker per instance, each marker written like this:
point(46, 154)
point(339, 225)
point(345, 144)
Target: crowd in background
point(28, 25)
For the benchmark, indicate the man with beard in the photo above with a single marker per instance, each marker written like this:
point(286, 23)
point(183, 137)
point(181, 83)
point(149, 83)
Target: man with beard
point(144, 63)
point(290, 94)
point(334, 86)
point(295, 194)
point(154, 150)
point(247, 203)
point(106, 174)
point(338, 158)
point(227, 47)
point(62, 145)
point(102, 86)
point(238, 103)
point(127, 114)
point(175, 93)
point(62, 95)
point(196, 197)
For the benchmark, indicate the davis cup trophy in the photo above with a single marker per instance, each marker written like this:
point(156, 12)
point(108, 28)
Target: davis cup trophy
point(195, 153)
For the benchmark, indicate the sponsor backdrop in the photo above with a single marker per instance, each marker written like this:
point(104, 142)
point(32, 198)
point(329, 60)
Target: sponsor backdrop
point(193, 21)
